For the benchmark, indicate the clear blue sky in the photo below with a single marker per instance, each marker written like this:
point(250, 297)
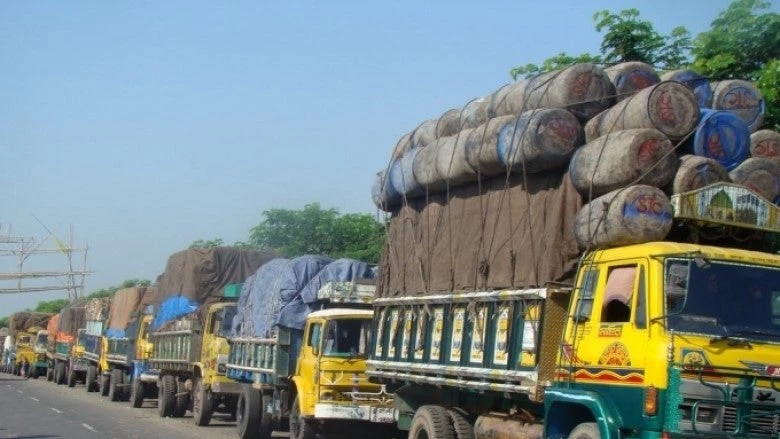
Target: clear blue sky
point(147, 125)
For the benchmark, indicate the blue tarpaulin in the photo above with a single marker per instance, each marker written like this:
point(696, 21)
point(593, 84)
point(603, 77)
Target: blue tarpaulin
point(172, 308)
point(282, 290)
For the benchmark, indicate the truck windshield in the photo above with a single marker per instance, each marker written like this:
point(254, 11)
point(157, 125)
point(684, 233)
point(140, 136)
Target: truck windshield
point(223, 321)
point(42, 340)
point(723, 299)
point(347, 338)
point(24, 340)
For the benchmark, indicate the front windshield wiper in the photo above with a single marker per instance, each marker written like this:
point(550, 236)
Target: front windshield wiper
point(745, 331)
point(733, 341)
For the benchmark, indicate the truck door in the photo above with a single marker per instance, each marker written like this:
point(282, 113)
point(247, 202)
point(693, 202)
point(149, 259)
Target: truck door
point(606, 343)
point(308, 360)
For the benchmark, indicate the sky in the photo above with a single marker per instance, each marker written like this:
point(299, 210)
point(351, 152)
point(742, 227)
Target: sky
point(148, 125)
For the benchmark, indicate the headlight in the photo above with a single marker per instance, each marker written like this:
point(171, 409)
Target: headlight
point(222, 364)
point(326, 396)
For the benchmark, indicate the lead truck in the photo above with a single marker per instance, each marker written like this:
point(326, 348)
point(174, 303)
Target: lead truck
point(693, 349)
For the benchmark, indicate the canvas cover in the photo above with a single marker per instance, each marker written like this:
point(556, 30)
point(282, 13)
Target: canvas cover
point(282, 291)
point(172, 308)
point(97, 309)
point(23, 320)
point(506, 232)
point(72, 318)
point(125, 304)
point(201, 274)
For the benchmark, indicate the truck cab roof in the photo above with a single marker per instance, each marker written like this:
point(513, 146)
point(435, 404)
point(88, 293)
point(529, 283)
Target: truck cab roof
point(667, 248)
point(342, 312)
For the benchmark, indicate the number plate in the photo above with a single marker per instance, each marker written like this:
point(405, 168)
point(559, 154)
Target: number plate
point(381, 414)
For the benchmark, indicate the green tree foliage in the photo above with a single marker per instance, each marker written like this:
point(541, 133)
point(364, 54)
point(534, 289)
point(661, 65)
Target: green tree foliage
point(314, 230)
point(51, 306)
point(202, 243)
point(4, 322)
point(743, 43)
point(626, 38)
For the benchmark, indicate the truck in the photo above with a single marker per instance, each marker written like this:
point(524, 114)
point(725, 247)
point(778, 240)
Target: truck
point(663, 339)
point(27, 358)
point(313, 380)
point(95, 349)
point(130, 376)
point(127, 374)
point(190, 354)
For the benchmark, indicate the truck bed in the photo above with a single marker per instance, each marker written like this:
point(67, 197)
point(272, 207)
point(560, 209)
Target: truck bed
point(500, 341)
point(176, 348)
point(264, 361)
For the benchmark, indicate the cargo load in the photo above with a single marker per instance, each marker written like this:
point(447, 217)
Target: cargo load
point(283, 291)
point(126, 303)
point(24, 320)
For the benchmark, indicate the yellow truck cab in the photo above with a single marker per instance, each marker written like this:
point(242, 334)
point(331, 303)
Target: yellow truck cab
point(73, 356)
point(40, 365)
point(330, 375)
point(143, 382)
point(191, 356)
point(24, 351)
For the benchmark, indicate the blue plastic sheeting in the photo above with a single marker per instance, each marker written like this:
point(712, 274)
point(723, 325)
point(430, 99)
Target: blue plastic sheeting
point(115, 333)
point(283, 291)
point(171, 309)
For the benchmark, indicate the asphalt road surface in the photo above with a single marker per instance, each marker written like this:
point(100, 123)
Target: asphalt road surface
point(33, 409)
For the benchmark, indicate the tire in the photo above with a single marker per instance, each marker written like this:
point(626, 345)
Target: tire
point(202, 403)
point(166, 397)
point(116, 387)
point(50, 374)
point(300, 428)
point(90, 382)
point(182, 400)
point(585, 430)
point(59, 373)
point(463, 428)
point(105, 383)
point(431, 422)
point(71, 377)
point(248, 411)
point(137, 390)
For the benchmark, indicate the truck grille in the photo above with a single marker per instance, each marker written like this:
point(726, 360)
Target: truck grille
point(762, 422)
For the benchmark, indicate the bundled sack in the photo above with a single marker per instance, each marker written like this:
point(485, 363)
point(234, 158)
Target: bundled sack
point(201, 274)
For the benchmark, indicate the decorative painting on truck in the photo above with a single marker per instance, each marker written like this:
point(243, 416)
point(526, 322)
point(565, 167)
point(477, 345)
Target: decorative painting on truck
point(393, 334)
point(456, 342)
point(477, 351)
point(419, 335)
point(501, 339)
point(380, 333)
point(438, 333)
point(406, 336)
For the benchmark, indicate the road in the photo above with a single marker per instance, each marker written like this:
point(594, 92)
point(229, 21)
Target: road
point(32, 409)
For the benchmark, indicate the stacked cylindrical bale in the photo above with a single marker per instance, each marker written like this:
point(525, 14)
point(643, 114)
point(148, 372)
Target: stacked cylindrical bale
point(722, 136)
point(762, 175)
point(741, 98)
point(765, 143)
point(630, 77)
point(699, 84)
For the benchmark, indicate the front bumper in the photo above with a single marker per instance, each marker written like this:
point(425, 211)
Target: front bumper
point(354, 412)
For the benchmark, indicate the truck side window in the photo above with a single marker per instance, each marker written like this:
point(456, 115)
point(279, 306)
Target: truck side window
point(314, 335)
point(588, 286)
point(618, 294)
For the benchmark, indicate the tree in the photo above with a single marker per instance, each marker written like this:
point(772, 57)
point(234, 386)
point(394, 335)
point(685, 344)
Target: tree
point(201, 243)
point(626, 38)
point(51, 306)
point(110, 291)
point(4, 322)
point(314, 230)
point(743, 43)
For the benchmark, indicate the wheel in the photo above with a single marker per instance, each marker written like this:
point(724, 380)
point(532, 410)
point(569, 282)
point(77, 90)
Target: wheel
point(182, 400)
point(202, 403)
point(59, 373)
point(248, 410)
point(116, 388)
point(585, 430)
point(463, 428)
point(166, 397)
point(71, 377)
point(49, 374)
point(431, 422)
point(90, 382)
point(300, 428)
point(137, 390)
point(105, 382)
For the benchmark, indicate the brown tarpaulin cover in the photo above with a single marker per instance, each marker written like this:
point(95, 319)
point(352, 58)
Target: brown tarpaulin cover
point(124, 304)
point(23, 320)
point(72, 318)
point(493, 235)
point(201, 274)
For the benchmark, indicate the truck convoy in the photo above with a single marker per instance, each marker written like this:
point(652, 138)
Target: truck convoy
point(27, 355)
point(299, 347)
point(529, 291)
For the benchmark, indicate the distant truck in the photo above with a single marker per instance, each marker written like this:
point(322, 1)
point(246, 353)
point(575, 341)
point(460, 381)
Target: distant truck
point(130, 378)
point(313, 379)
point(190, 354)
point(95, 348)
point(25, 357)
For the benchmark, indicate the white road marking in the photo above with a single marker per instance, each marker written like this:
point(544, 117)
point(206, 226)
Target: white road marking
point(88, 427)
point(35, 399)
point(19, 391)
point(56, 410)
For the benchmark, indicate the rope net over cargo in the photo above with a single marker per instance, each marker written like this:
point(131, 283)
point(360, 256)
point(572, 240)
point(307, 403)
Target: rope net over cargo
point(512, 197)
